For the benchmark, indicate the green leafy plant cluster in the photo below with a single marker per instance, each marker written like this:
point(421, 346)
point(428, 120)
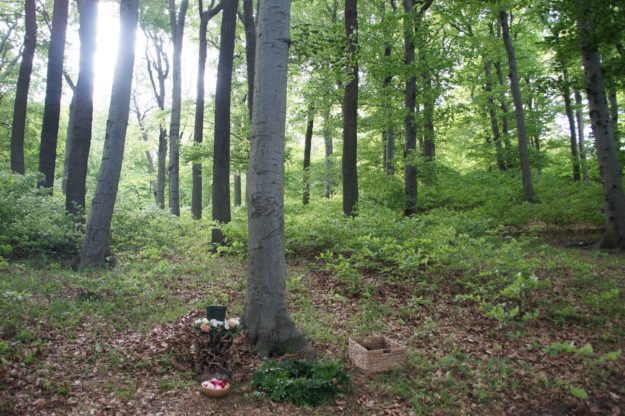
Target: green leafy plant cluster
point(32, 222)
point(302, 382)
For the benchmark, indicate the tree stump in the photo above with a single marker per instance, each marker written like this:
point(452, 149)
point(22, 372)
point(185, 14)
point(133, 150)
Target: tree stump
point(212, 352)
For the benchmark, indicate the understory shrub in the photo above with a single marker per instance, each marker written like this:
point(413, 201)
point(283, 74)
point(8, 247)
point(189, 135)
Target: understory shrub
point(301, 382)
point(33, 222)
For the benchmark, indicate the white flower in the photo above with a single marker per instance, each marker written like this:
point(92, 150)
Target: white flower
point(215, 323)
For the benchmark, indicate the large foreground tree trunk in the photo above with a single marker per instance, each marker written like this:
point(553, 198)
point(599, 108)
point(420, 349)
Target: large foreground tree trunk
point(23, 83)
point(198, 132)
point(54, 87)
point(96, 243)
point(614, 207)
point(350, 113)
point(270, 329)
point(83, 111)
point(221, 149)
point(517, 98)
point(177, 22)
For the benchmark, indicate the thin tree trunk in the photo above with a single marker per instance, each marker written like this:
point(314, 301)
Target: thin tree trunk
point(144, 134)
point(505, 124)
point(221, 152)
point(579, 106)
point(526, 174)
point(177, 32)
point(350, 113)
point(54, 86)
point(237, 189)
point(96, 243)
point(161, 170)
point(389, 134)
point(329, 182)
point(198, 132)
point(410, 146)
point(83, 112)
point(69, 137)
point(614, 207)
point(21, 93)
point(270, 330)
point(492, 113)
point(307, 148)
point(566, 91)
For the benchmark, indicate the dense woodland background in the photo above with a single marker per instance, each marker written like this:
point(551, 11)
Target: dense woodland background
point(452, 179)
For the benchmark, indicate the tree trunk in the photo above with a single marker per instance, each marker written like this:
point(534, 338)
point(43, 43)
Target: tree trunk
point(614, 207)
point(144, 134)
point(505, 124)
point(566, 91)
point(270, 329)
point(83, 112)
point(250, 56)
point(177, 33)
point(410, 146)
point(307, 147)
point(350, 113)
point(579, 106)
point(492, 114)
point(96, 243)
point(237, 189)
point(613, 103)
point(161, 170)
point(23, 84)
point(329, 182)
point(526, 174)
point(54, 86)
point(221, 152)
point(69, 137)
point(389, 134)
point(198, 132)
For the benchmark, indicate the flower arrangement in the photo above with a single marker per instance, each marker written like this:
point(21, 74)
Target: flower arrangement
point(213, 326)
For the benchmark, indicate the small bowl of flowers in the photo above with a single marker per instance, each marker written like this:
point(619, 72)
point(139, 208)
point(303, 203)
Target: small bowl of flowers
point(215, 388)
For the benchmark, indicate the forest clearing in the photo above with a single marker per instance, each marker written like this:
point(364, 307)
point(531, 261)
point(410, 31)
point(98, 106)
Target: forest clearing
point(268, 207)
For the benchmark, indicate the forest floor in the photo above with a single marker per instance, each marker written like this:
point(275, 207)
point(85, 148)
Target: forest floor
point(119, 342)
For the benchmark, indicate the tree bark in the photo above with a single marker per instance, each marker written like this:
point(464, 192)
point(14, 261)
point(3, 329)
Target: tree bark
point(159, 64)
point(54, 86)
point(389, 134)
point(250, 56)
point(614, 207)
point(517, 98)
point(198, 132)
point(69, 137)
point(96, 243)
point(566, 92)
point(613, 104)
point(410, 145)
point(307, 148)
point(177, 22)
point(221, 153)
point(492, 114)
point(21, 93)
point(83, 112)
point(237, 189)
point(579, 106)
point(329, 182)
point(350, 113)
point(270, 329)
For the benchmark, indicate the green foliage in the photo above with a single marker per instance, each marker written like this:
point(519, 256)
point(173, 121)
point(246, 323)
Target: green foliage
point(31, 221)
point(301, 382)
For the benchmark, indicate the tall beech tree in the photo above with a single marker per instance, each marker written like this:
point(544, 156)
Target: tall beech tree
point(54, 89)
point(614, 198)
point(350, 112)
point(158, 71)
point(23, 85)
point(96, 243)
point(307, 147)
point(176, 21)
point(221, 152)
point(270, 329)
point(517, 98)
point(198, 132)
point(83, 110)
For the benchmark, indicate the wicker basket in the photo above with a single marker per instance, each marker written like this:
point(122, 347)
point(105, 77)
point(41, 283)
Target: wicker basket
point(376, 354)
